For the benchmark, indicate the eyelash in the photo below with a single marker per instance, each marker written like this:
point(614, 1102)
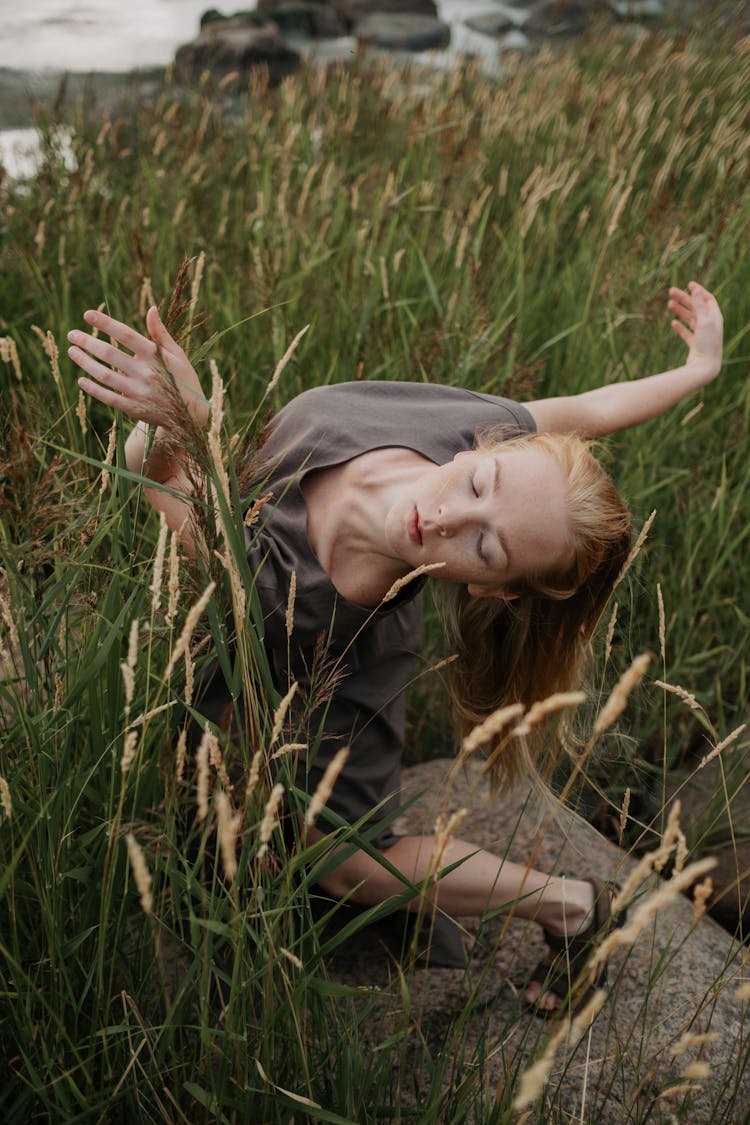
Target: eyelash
point(479, 547)
point(474, 488)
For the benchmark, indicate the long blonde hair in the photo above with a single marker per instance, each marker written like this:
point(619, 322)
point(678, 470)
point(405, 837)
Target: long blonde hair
point(522, 650)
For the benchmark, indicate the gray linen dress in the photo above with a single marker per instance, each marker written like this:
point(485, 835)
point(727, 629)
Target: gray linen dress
point(321, 428)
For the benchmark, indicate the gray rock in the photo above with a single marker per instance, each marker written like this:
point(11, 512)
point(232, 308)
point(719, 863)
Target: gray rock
point(295, 17)
point(402, 32)
point(679, 977)
point(497, 22)
point(638, 9)
point(562, 17)
point(515, 40)
point(235, 45)
point(353, 10)
point(715, 816)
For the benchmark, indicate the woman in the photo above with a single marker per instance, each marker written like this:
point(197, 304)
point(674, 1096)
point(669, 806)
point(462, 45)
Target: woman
point(372, 481)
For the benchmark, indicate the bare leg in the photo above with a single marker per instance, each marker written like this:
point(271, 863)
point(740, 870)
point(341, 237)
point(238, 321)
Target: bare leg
point(480, 883)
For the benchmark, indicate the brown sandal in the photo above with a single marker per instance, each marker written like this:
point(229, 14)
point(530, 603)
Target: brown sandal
point(568, 955)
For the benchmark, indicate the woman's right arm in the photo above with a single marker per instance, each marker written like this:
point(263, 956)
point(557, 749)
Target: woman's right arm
point(133, 383)
point(698, 322)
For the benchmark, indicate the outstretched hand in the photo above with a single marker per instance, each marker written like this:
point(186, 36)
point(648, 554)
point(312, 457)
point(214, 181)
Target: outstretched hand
point(134, 382)
point(699, 323)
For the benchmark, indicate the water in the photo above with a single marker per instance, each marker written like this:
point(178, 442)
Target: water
point(43, 37)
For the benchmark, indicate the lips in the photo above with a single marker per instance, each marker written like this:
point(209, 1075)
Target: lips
point(414, 529)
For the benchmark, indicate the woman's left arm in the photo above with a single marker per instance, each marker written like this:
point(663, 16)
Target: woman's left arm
point(698, 322)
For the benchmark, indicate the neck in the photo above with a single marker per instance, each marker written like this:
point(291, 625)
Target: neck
point(349, 538)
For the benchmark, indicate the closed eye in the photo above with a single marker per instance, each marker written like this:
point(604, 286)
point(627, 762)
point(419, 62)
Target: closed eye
point(474, 487)
point(480, 542)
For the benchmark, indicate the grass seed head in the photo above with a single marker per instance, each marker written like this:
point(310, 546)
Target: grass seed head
point(5, 801)
point(141, 872)
point(323, 791)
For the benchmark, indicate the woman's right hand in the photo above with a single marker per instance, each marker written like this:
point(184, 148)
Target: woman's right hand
point(134, 382)
point(700, 324)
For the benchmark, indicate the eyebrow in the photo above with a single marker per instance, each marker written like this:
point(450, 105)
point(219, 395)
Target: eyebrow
point(495, 486)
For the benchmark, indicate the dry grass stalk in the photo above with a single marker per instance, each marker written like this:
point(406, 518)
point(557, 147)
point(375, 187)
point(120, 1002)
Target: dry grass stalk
point(181, 754)
point(674, 838)
point(697, 1070)
point(288, 748)
point(270, 818)
point(323, 790)
point(174, 577)
point(195, 287)
point(290, 604)
point(83, 421)
point(662, 623)
point(627, 935)
point(691, 414)
point(688, 1040)
point(189, 678)
point(188, 628)
point(538, 711)
point(5, 800)
point(624, 815)
point(685, 696)
point(399, 584)
point(722, 745)
point(443, 833)
point(141, 872)
point(284, 361)
point(9, 619)
point(622, 690)
point(490, 727)
point(280, 713)
point(636, 548)
point(678, 1090)
point(228, 823)
point(109, 457)
point(253, 511)
point(128, 667)
point(535, 1077)
point(292, 957)
point(203, 776)
point(128, 751)
point(610, 633)
point(583, 1020)
point(9, 354)
point(216, 759)
point(145, 297)
point(156, 577)
point(701, 894)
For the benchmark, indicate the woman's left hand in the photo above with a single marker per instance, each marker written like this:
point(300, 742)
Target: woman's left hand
point(133, 382)
point(699, 323)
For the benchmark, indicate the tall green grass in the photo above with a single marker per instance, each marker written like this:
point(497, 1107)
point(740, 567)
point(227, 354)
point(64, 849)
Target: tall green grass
point(513, 236)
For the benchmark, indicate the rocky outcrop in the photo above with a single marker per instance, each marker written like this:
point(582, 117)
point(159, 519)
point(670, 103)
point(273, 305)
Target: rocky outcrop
point(236, 45)
point(715, 815)
point(279, 33)
point(679, 978)
point(402, 32)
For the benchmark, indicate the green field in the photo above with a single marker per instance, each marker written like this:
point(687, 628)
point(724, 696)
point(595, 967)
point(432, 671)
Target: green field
point(516, 236)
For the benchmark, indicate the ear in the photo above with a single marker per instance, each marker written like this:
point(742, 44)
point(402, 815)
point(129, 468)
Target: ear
point(477, 591)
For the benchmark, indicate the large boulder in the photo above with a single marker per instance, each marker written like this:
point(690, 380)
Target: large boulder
point(402, 32)
point(237, 45)
point(678, 980)
point(296, 17)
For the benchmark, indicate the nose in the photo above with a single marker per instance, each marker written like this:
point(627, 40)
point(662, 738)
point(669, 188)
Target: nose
point(449, 520)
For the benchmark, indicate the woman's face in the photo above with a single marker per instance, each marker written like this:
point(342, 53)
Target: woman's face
point(489, 517)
